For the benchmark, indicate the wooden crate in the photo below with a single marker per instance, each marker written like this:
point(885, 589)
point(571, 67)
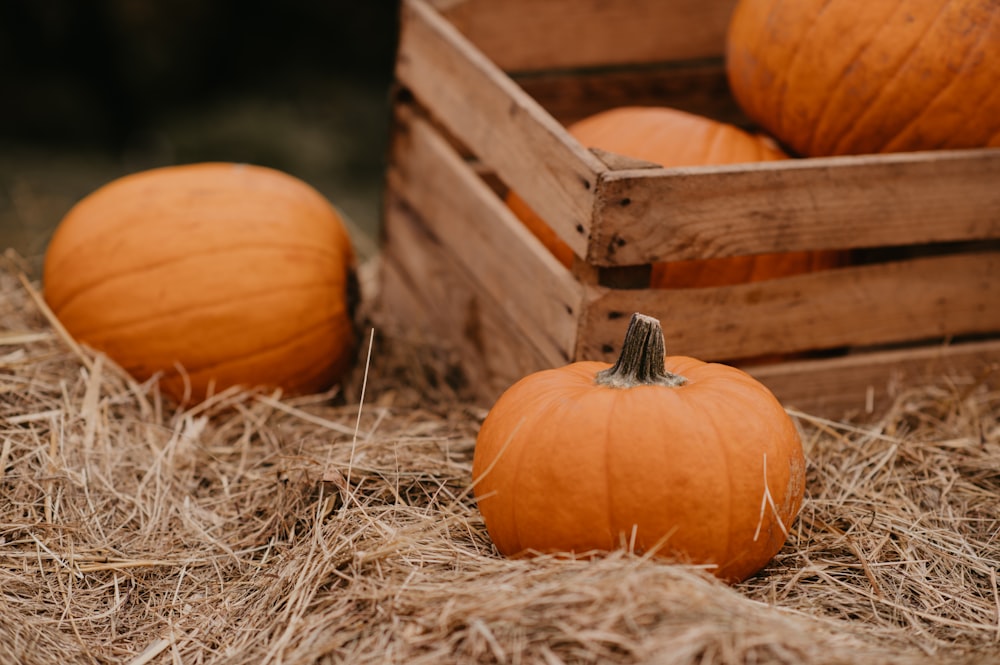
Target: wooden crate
point(484, 91)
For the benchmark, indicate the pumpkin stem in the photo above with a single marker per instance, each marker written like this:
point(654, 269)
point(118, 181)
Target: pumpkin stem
point(641, 360)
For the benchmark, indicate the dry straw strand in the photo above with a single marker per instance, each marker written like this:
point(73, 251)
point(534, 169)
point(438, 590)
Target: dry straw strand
point(134, 531)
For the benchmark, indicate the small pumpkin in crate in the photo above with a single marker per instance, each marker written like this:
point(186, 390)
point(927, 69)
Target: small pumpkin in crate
point(670, 137)
point(689, 460)
point(212, 274)
point(834, 77)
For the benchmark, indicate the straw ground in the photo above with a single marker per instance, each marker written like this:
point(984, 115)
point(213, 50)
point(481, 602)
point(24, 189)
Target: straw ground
point(255, 528)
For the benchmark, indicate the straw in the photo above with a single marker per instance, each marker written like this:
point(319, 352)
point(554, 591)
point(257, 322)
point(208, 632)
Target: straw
point(260, 528)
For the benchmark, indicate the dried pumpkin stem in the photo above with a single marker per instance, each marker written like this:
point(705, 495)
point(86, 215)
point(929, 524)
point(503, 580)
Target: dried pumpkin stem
point(641, 360)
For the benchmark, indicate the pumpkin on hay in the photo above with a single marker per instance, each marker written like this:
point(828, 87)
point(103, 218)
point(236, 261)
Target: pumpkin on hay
point(670, 137)
point(692, 460)
point(833, 77)
point(212, 274)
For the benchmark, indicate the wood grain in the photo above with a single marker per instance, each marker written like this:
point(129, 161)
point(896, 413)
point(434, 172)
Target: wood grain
point(427, 298)
point(900, 301)
point(863, 386)
point(696, 87)
point(526, 283)
point(498, 122)
point(652, 215)
point(543, 34)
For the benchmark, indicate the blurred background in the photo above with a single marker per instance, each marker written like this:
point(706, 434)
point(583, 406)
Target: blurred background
point(95, 89)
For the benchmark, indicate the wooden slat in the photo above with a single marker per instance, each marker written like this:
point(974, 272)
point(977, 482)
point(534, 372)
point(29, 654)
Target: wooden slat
point(426, 297)
point(699, 87)
point(498, 122)
point(891, 302)
point(543, 34)
point(865, 201)
point(863, 385)
point(525, 281)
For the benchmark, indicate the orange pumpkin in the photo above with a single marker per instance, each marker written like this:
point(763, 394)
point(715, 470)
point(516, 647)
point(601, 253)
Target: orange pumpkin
point(670, 137)
point(211, 274)
point(691, 460)
point(833, 77)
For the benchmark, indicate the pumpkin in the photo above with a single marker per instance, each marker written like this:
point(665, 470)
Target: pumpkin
point(211, 275)
point(833, 77)
point(673, 456)
point(670, 137)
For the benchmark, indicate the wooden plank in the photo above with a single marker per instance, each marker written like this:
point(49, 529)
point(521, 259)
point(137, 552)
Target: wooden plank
point(699, 87)
point(426, 297)
point(446, 350)
point(543, 34)
point(528, 284)
point(864, 385)
point(650, 215)
point(498, 122)
point(918, 299)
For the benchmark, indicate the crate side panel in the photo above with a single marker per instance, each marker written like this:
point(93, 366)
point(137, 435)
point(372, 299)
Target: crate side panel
point(426, 297)
point(883, 303)
point(699, 88)
point(498, 122)
point(544, 34)
point(865, 385)
point(507, 261)
point(824, 203)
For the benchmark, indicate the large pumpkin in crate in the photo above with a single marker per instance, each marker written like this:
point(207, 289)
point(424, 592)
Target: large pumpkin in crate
point(831, 77)
point(212, 274)
point(670, 137)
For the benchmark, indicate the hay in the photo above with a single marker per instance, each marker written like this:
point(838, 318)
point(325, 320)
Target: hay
point(259, 529)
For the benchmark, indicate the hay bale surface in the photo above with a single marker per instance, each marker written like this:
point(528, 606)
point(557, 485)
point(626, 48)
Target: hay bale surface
point(260, 529)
